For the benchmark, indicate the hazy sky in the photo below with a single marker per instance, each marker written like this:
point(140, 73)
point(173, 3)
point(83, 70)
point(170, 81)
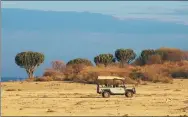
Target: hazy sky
point(174, 11)
point(170, 11)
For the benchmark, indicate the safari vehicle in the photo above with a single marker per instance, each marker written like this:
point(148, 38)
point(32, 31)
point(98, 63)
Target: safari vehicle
point(115, 87)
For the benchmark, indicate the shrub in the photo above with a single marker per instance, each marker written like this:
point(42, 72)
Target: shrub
point(179, 69)
point(51, 72)
point(155, 73)
point(139, 61)
point(130, 81)
point(58, 66)
point(69, 77)
point(79, 78)
point(58, 78)
point(185, 55)
point(69, 70)
point(160, 55)
point(77, 68)
point(154, 59)
point(55, 75)
point(179, 73)
point(171, 54)
point(136, 75)
point(100, 65)
point(115, 64)
point(91, 77)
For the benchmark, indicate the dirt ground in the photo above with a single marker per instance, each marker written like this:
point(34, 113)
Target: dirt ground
point(61, 98)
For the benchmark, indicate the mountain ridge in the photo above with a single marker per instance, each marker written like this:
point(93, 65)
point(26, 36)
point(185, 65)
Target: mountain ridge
point(83, 21)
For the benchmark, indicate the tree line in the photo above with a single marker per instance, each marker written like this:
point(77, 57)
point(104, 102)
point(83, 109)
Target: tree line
point(31, 60)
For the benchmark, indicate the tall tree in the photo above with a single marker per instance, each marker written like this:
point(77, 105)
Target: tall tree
point(29, 61)
point(104, 59)
point(82, 61)
point(125, 56)
point(145, 54)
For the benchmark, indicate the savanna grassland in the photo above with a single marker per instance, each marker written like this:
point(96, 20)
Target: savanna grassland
point(160, 77)
point(57, 98)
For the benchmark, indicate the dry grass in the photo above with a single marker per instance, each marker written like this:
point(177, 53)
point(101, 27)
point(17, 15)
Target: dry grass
point(47, 78)
point(52, 72)
point(125, 115)
point(163, 72)
point(151, 99)
point(10, 90)
point(19, 89)
point(50, 111)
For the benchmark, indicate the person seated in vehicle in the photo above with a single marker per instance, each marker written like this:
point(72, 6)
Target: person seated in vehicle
point(116, 84)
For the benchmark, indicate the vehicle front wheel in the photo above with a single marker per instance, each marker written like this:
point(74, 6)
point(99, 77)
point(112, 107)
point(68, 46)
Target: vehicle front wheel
point(105, 94)
point(129, 94)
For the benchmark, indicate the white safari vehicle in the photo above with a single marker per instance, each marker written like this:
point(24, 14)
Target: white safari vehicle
point(116, 87)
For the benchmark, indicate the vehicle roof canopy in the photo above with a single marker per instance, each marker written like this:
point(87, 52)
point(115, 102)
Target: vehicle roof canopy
point(110, 77)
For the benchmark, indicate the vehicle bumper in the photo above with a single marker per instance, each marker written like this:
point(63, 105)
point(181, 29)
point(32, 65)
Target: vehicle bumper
point(99, 92)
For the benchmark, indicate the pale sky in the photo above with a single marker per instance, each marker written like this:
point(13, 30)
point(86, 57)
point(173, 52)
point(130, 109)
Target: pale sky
point(171, 11)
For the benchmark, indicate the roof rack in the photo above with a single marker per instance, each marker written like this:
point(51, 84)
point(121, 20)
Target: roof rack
point(111, 77)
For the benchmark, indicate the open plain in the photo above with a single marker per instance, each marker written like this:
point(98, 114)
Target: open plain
point(65, 98)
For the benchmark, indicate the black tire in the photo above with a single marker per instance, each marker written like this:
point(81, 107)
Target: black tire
point(105, 94)
point(129, 94)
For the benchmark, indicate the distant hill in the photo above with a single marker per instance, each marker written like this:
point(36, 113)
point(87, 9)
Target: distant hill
point(83, 22)
point(67, 35)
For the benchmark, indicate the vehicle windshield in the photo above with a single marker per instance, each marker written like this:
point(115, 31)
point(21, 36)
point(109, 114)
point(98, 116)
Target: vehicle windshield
point(111, 83)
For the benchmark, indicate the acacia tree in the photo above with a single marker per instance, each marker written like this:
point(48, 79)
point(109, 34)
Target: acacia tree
point(105, 59)
point(145, 54)
point(29, 61)
point(125, 56)
point(82, 61)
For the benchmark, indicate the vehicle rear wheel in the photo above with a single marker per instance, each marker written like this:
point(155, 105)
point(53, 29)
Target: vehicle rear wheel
point(105, 94)
point(129, 94)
